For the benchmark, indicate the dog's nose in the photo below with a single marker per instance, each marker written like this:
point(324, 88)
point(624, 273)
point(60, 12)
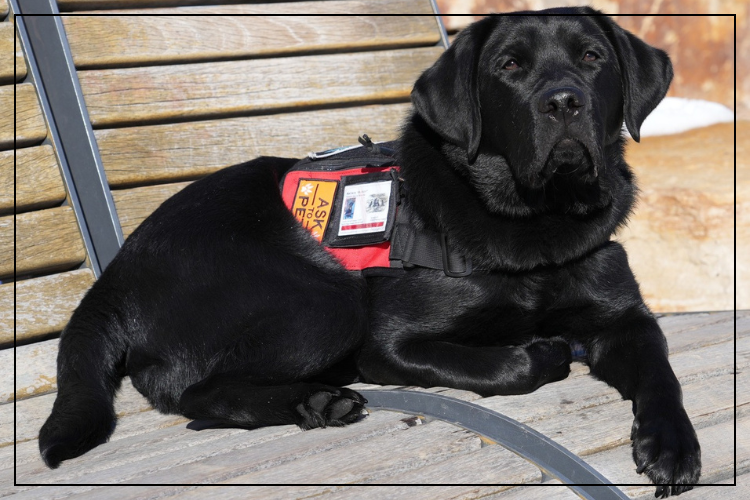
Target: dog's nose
point(563, 102)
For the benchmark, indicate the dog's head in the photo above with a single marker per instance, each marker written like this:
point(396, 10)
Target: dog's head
point(547, 91)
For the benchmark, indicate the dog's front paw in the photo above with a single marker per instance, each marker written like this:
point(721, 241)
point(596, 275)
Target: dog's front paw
point(549, 361)
point(329, 406)
point(666, 448)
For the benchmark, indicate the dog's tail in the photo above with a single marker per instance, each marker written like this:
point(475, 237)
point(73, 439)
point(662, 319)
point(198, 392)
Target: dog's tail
point(90, 365)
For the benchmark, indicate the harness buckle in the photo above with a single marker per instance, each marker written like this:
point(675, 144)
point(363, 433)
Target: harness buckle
point(446, 266)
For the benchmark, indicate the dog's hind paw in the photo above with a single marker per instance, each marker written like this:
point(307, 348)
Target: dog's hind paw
point(330, 406)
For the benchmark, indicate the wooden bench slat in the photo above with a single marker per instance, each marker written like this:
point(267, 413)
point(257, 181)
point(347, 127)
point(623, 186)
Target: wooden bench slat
point(134, 205)
point(45, 240)
point(11, 55)
point(29, 123)
point(38, 374)
point(37, 179)
point(192, 91)
point(33, 412)
point(43, 305)
point(249, 7)
point(79, 5)
point(98, 41)
point(163, 153)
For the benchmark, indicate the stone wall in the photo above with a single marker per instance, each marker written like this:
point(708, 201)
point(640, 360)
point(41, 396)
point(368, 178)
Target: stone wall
point(701, 47)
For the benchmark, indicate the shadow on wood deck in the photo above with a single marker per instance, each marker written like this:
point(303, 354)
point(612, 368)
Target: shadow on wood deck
point(584, 415)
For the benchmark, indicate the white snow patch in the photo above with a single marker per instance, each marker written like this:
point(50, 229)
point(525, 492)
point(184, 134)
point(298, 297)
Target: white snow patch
point(676, 114)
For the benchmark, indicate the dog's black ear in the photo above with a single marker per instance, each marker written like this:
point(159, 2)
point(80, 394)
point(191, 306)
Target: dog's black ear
point(446, 95)
point(646, 73)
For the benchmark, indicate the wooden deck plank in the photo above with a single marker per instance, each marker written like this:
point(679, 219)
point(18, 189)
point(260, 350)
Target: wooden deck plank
point(36, 178)
point(43, 306)
point(717, 328)
point(180, 455)
point(606, 426)
point(531, 492)
point(33, 412)
point(205, 33)
point(576, 394)
point(680, 323)
point(12, 64)
point(184, 151)
point(126, 458)
point(27, 452)
point(227, 492)
point(717, 444)
point(45, 240)
point(426, 491)
point(594, 429)
point(568, 396)
point(422, 491)
point(490, 464)
point(508, 467)
point(724, 490)
point(113, 492)
point(199, 91)
point(580, 392)
point(28, 120)
point(372, 461)
point(131, 408)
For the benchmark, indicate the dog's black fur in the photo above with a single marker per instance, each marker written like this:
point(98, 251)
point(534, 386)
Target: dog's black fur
point(221, 307)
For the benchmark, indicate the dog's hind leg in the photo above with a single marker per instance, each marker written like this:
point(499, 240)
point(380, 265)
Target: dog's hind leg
point(234, 400)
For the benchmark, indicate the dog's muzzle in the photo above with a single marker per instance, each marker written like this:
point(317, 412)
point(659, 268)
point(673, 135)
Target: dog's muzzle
point(571, 159)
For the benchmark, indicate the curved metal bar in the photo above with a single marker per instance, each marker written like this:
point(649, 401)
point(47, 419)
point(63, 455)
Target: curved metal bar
point(538, 449)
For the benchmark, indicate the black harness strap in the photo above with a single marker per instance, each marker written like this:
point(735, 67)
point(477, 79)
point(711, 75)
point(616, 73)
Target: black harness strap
point(422, 248)
point(410, 246)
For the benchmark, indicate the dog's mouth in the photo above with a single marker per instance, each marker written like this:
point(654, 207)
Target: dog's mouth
point(569, 159)
point(567, 180)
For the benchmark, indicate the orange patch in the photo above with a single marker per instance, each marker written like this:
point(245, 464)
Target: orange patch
point(313, 204)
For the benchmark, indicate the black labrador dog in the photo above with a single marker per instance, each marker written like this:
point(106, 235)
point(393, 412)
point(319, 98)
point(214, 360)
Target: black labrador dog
point(221, 306)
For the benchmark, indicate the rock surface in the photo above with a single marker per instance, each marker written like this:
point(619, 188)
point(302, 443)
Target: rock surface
point(680, 240)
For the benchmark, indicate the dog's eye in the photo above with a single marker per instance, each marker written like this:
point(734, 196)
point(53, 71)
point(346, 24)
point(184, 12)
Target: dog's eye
point(511, 65)
point(590, 56)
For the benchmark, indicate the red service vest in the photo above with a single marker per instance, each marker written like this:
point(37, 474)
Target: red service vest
point(350, 211)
